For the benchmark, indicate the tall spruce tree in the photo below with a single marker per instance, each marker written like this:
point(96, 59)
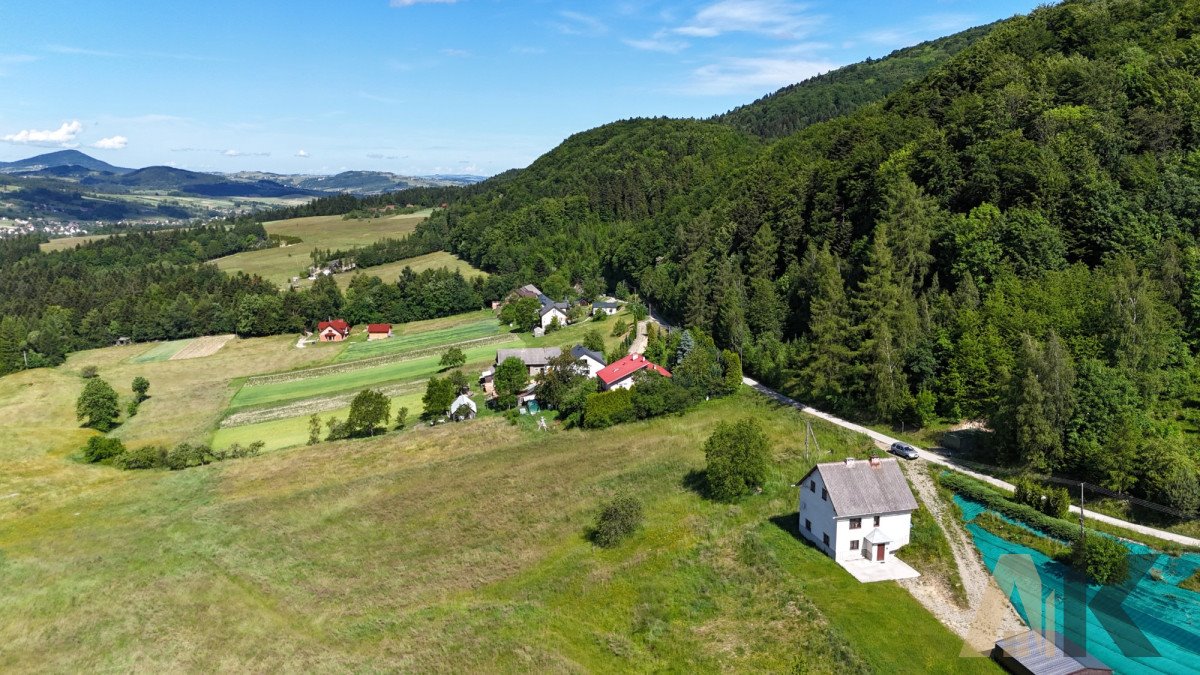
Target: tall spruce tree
point(827, 365)
point(877, 304)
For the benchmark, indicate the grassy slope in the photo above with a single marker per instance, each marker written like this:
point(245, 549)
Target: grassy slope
point(391, 271)
point(447, 549)
point(327, 232)
point(63, 243)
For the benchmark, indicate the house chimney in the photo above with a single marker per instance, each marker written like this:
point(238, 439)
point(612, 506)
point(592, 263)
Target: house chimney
point(875, 462)
point(849, 462)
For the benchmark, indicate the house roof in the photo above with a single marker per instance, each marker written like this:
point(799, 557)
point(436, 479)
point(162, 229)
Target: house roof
point(862, 487)
point(579, 352)
point(560, 306)
point(878, 536)
point(379, 328)
point(1038, 655)
point(462, 400)
point(530, 356)
point(602, 304)
point(337, 324)
point(529, 291)
point(626, 366)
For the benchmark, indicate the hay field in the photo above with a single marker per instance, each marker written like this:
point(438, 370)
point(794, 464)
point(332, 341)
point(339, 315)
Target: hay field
point(202, 346)
point(456, 548)
point(63, 243)
point(279, 264)
point(391, 271)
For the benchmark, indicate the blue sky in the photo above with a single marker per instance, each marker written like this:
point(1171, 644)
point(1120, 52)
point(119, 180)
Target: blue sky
point(411, 86)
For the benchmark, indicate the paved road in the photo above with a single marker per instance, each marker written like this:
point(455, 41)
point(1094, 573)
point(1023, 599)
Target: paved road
point(884, 442)
point(638, 346)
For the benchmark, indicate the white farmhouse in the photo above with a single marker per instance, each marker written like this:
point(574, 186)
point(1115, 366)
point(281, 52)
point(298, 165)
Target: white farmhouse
point(552, 311)
point(856, 509)
point(589, 362)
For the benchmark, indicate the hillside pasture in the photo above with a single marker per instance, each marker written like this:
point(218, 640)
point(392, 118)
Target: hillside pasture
point(430, 261)
point(65, 243)
point(455, 548)
point(426, 334)
point(281, 263)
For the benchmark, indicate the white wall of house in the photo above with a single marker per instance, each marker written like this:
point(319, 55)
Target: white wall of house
point(590, 366)
point(817, 519)
point(548, 318)
point(626, 383)
point(605, 310)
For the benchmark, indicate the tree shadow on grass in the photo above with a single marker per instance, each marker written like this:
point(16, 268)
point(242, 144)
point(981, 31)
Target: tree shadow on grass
point(696, 481)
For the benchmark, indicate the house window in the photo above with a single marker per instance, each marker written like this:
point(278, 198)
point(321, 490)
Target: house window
point(854, 545)
point(824, 495)
point(856, 523)
point(812, 486)
point(876, 521)
point(825, 538)
point(808, 525)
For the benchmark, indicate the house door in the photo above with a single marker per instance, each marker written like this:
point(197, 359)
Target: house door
point(879, 552)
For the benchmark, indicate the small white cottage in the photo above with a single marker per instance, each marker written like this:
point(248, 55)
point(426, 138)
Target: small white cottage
point(856, 508)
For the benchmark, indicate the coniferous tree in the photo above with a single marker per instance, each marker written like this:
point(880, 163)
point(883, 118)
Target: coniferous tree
point(826, 371)
point(877, 304)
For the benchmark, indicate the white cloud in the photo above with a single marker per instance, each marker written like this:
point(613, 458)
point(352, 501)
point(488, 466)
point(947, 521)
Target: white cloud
point(302, 153)
point(63, 135)
point(458, 53)
point(578, 23)
point(773, 18)
point(238, 153)
point(410, 3)
point(111, 143)
point(658, 44)
point(752, 75)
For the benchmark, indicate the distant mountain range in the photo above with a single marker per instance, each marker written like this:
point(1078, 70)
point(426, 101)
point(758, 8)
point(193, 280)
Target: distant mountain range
point(88, 172)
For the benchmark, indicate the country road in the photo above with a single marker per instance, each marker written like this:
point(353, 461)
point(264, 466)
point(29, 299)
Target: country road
point(884, 442)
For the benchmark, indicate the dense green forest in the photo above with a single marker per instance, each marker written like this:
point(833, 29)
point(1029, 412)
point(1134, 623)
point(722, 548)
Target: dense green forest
point(1012, 238)
point(842, 91)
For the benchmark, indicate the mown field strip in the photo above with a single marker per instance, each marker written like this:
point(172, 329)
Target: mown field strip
point(441, 337)
point(307, 407)
point(163, 351)
point(201, 347)
point(349, 366)
point(357, 378)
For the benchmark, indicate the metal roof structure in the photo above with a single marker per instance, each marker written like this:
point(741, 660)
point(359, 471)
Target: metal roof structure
point(860, 487)
point(1030, 653)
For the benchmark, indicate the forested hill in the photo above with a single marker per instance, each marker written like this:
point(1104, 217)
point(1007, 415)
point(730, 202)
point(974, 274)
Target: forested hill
point(842, 91)
point(1014, 238)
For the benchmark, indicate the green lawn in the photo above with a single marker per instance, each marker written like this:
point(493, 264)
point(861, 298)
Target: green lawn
point(456, 548)
point(285, 433)
point(390, 272)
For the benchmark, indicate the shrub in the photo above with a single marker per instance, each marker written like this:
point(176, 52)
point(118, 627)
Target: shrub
point(593, 340)
point(453, 358)
point(100, 448)
point(737, 459)
point(97, 405)
point(1000, 503)
point(88, 372)
point(238, 451)
point(145, 457)
point(401, 418)
point(600, 316)
point(140, 386)
point(619, 328)
point(618, 520)
point(655, 395)
point(131, 409)
point(608, 408)
point(186, 455)
point(1105, 560)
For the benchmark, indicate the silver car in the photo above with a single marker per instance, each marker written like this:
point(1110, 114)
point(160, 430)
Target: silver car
point(903, 450)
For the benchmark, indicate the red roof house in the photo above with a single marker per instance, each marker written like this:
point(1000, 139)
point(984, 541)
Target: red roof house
point(379, 331)
point(619, 374)
point(333, 331)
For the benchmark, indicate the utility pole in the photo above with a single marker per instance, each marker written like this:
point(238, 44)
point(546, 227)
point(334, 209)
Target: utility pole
point(1081, 530)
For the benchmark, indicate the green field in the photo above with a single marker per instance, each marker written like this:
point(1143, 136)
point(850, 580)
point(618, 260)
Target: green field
point(280, 264)
point(63, 243)
point(391, 271)
point(424, 334)
point(454, 548)
point(161, 351)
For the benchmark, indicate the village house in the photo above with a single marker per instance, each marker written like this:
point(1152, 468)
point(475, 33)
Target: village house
point(856, 509)
point(589, 362)
point(333, 331)
point(378, 331)
point(619, 374)
point(536, 359)
point(528, 291)
point(552, 311)
point(605, 307)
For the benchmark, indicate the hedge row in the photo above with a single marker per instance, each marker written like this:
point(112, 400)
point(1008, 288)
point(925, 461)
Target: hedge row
point(1002, 503)
point(608, 408)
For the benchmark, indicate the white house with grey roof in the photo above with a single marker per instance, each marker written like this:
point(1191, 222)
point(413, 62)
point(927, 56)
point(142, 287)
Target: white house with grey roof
point(856, 509)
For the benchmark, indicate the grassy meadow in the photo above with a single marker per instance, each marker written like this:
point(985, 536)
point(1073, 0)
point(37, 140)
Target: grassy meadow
point(454, 548)
point(64, 243)
point(391, 271)
point(279, 264)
